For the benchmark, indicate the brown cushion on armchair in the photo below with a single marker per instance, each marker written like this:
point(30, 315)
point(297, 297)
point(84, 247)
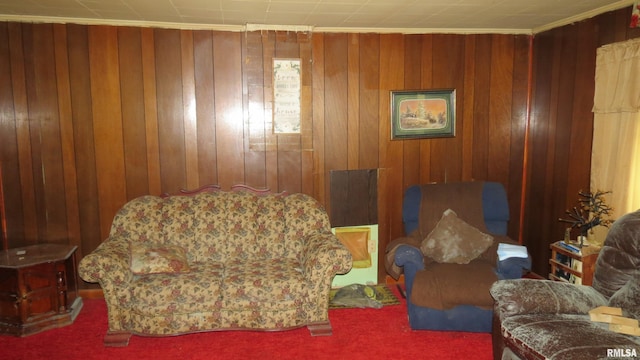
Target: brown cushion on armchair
point(444, 286)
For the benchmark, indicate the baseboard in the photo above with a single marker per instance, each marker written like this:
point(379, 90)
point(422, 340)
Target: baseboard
point(91, 294)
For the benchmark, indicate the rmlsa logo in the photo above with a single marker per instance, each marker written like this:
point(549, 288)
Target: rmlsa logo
point(620, 353)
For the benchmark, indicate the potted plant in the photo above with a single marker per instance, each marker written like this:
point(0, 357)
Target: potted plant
point(592, 211)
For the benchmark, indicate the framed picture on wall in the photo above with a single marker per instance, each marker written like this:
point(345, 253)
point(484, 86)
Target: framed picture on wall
point(286, 96)
point(419, 114)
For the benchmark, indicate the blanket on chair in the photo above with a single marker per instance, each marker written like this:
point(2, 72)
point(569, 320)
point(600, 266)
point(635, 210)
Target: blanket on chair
point(465, 199)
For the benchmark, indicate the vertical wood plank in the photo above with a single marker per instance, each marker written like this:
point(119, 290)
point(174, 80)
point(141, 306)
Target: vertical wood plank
point(228, 97)
point(12, 222)
point(85, 156)
point(107, 123)
point(369, 100)
point(539, 147)
point(151, 110)
point(270, 139)
point(134, 128)
point(205, 107)
point(467, 116)
point(45, 134)
point(189, 110)
point(550, 193)
point(336, 104)
point(426, 79)
point(582, 125)
point(318, 117)
point(412, 80)
point(519, 118)
point(34, 130)
point(22, 223)
point(481, 107)
point(171, 138)
point(306, 140)
point(66, 135)
point(353, 100)
point(390, 175)
point(254, 72)
point(500, 101)
point(446, 152)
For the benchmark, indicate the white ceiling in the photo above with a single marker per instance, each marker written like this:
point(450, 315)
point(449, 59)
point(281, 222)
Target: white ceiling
point(465, 16)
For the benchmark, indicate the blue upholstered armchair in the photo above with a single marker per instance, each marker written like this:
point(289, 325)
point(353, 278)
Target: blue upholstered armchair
point(449, 256)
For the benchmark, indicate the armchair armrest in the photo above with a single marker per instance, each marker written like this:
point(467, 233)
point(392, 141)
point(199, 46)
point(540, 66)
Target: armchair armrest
point(411, 260)
point(513, 268)
point(529, 296)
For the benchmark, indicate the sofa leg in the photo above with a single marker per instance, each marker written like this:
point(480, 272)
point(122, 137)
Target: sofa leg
point(320, 329)
point(117, 338)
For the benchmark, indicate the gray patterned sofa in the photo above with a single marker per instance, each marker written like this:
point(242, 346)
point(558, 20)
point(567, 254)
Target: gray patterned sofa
point(219, 260)
point(545, 319)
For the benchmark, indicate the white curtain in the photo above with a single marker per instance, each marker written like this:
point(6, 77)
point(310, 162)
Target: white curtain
point(615, 161)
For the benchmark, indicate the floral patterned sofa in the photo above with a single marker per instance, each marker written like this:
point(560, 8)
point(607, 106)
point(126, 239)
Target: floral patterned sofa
point(221, 260)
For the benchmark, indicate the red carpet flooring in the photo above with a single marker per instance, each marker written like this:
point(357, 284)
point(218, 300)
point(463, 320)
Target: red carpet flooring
point(357, 334)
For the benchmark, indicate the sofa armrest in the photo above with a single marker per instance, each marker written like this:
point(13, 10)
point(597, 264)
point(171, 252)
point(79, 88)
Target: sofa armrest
point(108, 264)
point(324, 256)
point(529, 296)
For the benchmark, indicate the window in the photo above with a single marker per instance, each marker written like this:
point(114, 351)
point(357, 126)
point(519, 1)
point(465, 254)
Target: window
point(615, 161)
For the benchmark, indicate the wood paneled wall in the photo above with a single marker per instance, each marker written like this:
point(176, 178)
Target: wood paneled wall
point(559, 160)
point(93, 116)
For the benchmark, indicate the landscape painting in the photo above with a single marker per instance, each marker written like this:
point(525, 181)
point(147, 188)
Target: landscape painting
point(422, 114)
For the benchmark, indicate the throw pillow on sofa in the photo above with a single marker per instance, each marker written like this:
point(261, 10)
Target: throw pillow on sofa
point(158, 259)
point(455, 241)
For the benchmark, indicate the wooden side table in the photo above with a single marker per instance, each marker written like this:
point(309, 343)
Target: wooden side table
point(38, 288)
point(575, 266)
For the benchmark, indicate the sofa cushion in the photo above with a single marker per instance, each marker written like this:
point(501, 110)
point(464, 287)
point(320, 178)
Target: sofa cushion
point(455, 241)
point(532, 296)
point(156, 259)
point(276, 284)
point(563, 337)
point(193, 292)
point(444, 286)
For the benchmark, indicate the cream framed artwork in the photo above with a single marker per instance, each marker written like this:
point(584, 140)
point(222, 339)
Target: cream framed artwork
point(286, 96)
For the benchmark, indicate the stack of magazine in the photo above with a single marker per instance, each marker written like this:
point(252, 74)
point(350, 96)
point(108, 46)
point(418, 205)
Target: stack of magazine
point(570, 262)
point(571, 247)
